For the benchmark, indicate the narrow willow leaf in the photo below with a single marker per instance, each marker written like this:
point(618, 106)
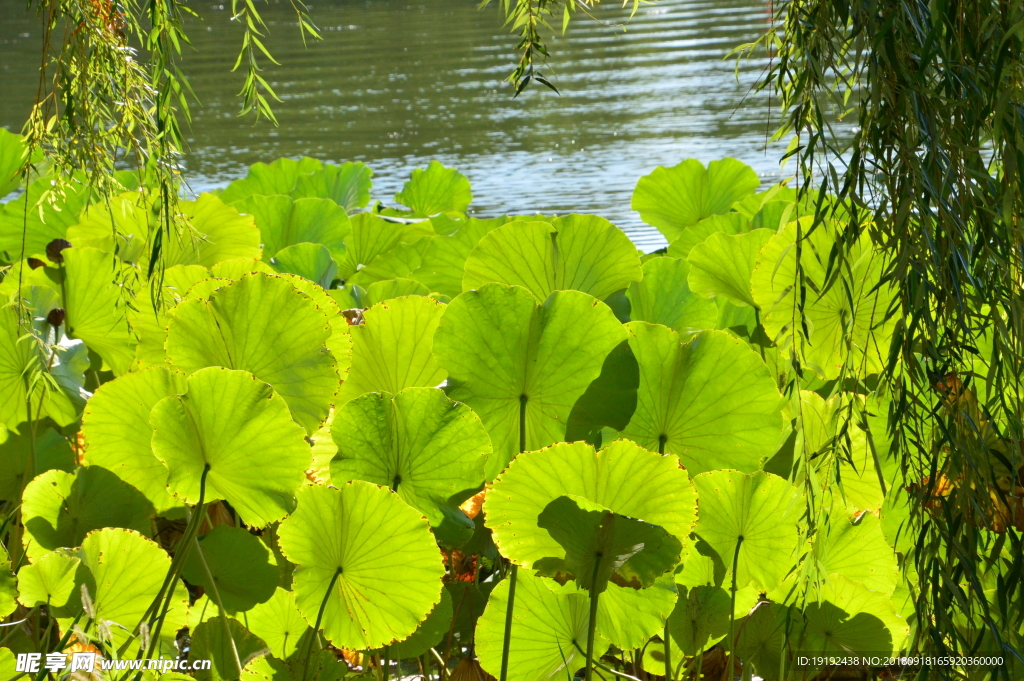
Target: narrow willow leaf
point(370, 554)
point(429, 449)
point(533, 480)
point(711, 401)
point(391, 349)
point(664, 297)
point(672, 199)
point(549, 630)
point(261, 324)
point(581, 252)
point(750, 521)
point(60, 508)
point(722, 264)
point(117, 431)
point(255, 455)
point(435, 189)
point(507, 354)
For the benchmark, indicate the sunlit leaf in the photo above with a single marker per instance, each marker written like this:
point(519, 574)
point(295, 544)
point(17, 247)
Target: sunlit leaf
point(435, 189)
point(241, 567)
point(721, 265)
point(664, 297)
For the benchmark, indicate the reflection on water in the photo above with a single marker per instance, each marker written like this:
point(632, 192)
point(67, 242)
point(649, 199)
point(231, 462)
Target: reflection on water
point(396, 83)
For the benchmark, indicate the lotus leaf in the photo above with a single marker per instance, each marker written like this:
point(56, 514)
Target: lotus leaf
point(751, 523)
point(118, 434)
point(254, 456)
point(310, 261)
point(664, 297)
point(848, 619)
point(348, 185)
point(521, 365)
point(365, 560)
point(279, 177)
point(18, 465)
point(221, 234)
point(8, 586)
point(435, 189)
point(284, 221)
point(629, 617)
point(672, 199)
point(581, 252)
point(721, 265)
point(857, 550)
point(710, 400)
point(48, 581)
point(95, 307)
point(40, 215)
point(370, 237)
point(263, 325)
point(443, 263)
point(430, 633)
point(60, 508)
point(278, 622)
point(227, 650)
point(379, 291)
point(727, 223)
point(239, 564)
point(549, 630)
point(13, 154)
point(429, 449)
point(391, 348)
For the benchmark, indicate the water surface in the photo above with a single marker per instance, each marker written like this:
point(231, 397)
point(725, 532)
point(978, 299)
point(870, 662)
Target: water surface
point(396, 83)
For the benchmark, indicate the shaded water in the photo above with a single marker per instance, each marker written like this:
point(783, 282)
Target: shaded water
point(396, 83)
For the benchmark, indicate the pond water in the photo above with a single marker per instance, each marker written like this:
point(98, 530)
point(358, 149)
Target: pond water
point(396, 83)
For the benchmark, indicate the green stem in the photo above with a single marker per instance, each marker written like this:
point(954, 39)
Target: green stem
point(592, 623)
point(729, 660)
point(668, 654)
point(385, 664)
point(319, 619)
point(507, 640)
point(220, 604)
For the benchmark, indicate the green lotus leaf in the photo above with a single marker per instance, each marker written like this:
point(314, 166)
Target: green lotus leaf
point(211, 642)
point(629, 617)
point(236, 268)
point(672, 199)
point(117, 431)
point(8, 664)
point(20, 358)
point(60, 508)
point(149, 321)
point(310, 261)
point(47, 581)
point(751, 522)
point(370, 237)
point(340, 340)
point(278, 622)
point(239, 564)
point(468, 603)
point(762, 639)
point(119, 225)
point(13, 154)
point(722, 264)
point(255, 455)
point(429, 634)
point(279, 177)
point(429, 449)
point(18, 465)
point(121, 572)
point(379, 291)
point(535, 479)
point(601, 546)
point(858, 551)
point(221, 234)
point(323, 665)
point(40, 215)
point(509, 356)
point(610, 399)
point(444, 258)
point(370, 554)
point(845, 321)
point(263, 325)
point(728, 223)
point(711, 400)
point(776, 214)
point(397, 263)
point(284, 221)
point(848, 619)
point(581, 252)
point(391, 348)
point(549, 630)
point(8, 585)
point(664, 297)
point(435, 189)
point(95, 308)
point(348, 185)
point(749, 206)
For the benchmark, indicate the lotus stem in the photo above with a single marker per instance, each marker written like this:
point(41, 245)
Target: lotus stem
point(507, 641)
point(668, 654)
point(319, 619)
point(385, 664)
point(592, 622)
point(731, 654)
